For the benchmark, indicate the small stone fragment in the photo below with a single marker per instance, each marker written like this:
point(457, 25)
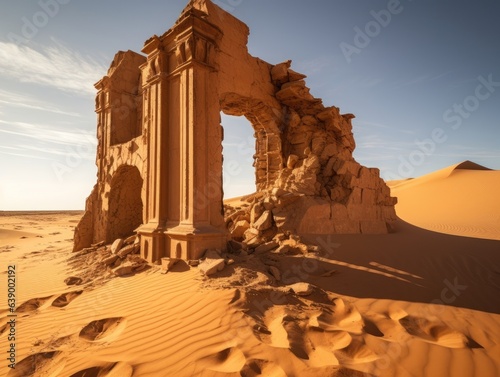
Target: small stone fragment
point(129, 240)
point(124, 270)
point(130, 249)
point(264, 222)
point(264, 248)
point(239, 228)
point(167, 264)
point(110, 260)
point(301, 289)
point(117, 245)
point(211, 266)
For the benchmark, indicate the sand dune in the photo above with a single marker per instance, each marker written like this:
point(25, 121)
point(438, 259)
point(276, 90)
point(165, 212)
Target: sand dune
point(416, 302)
point(461, 200)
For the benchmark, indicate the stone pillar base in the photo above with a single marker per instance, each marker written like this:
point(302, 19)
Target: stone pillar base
point(190, 243)
point(153, 245)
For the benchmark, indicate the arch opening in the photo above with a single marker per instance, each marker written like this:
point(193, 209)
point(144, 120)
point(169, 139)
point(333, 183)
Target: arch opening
point(125, 203)
point(266, 124)
point(238, 151)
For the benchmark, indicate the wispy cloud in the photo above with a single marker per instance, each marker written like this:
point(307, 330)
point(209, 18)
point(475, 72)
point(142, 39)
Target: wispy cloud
point(12, 99)
point(24, 155)
point(47, 134)
point(370, 125)
point(55, 66)
point(419, 79)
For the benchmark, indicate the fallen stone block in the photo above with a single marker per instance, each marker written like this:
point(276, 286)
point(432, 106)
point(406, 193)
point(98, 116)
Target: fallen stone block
point(167, 264)
point(117, 245)
point(130, 240)
point(130, 249)
point(301, 289)
point(109, 260)
point(211, 266)
point(256, 212)
point(264, 222)
point(124, 270)
point(239, 228)
point(264, 248)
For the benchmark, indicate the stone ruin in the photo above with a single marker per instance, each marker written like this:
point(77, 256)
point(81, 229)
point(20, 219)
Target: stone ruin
point(159, 153)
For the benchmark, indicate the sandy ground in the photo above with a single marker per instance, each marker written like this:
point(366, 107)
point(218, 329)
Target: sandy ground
point(423, 301)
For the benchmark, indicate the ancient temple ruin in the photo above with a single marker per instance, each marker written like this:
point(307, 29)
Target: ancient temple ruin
point(159, 153)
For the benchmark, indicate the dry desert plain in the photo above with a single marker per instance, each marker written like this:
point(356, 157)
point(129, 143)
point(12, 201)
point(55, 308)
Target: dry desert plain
point(421, 301)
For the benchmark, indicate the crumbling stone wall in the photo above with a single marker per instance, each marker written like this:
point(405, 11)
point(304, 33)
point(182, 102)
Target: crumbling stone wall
point(157, 117)
point(319, 188)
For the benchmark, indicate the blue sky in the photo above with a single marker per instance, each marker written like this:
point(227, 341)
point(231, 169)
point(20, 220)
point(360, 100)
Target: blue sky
point(421, 76)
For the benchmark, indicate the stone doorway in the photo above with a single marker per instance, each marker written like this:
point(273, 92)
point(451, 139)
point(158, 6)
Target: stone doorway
point(125, 203)
point(238, 150)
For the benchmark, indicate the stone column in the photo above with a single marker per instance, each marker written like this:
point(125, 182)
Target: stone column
point(201, 223)
point(182, 121)
point(155, 126)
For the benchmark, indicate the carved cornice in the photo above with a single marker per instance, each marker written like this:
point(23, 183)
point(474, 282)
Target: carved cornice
point(195, 47)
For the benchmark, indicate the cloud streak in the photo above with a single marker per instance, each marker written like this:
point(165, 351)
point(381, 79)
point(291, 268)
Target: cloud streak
point(47, 134)
point(370, 125)
point(11, 99)
point(55, 66)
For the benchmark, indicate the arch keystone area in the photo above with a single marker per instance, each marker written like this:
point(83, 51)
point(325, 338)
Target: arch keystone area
point(159, 152)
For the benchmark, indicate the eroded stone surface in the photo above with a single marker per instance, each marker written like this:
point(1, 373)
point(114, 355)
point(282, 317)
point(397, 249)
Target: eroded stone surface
point(159, 154)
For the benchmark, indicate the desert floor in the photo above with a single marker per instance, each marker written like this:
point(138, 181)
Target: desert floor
point(422, 301)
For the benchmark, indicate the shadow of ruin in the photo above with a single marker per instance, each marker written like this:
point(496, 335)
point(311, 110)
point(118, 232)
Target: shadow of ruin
point(159, 154)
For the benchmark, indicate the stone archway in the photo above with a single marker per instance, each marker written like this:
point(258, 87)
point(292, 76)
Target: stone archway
point(125, 203)
point(198, 68)
point(266, 122)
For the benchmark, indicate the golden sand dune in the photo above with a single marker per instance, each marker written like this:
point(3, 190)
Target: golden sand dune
point(462, 200)
point(416, 302)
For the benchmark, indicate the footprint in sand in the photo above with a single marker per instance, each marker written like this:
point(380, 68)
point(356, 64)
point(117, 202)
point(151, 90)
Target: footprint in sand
point(64, 299)
point(106, 329)
point(356, 353)
point(257, 367)
point(230, 360)
point(434, 332)
point(303, 337)
point(342, 316)
point(39, 364)
point(32, 305)
point(110, 370)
